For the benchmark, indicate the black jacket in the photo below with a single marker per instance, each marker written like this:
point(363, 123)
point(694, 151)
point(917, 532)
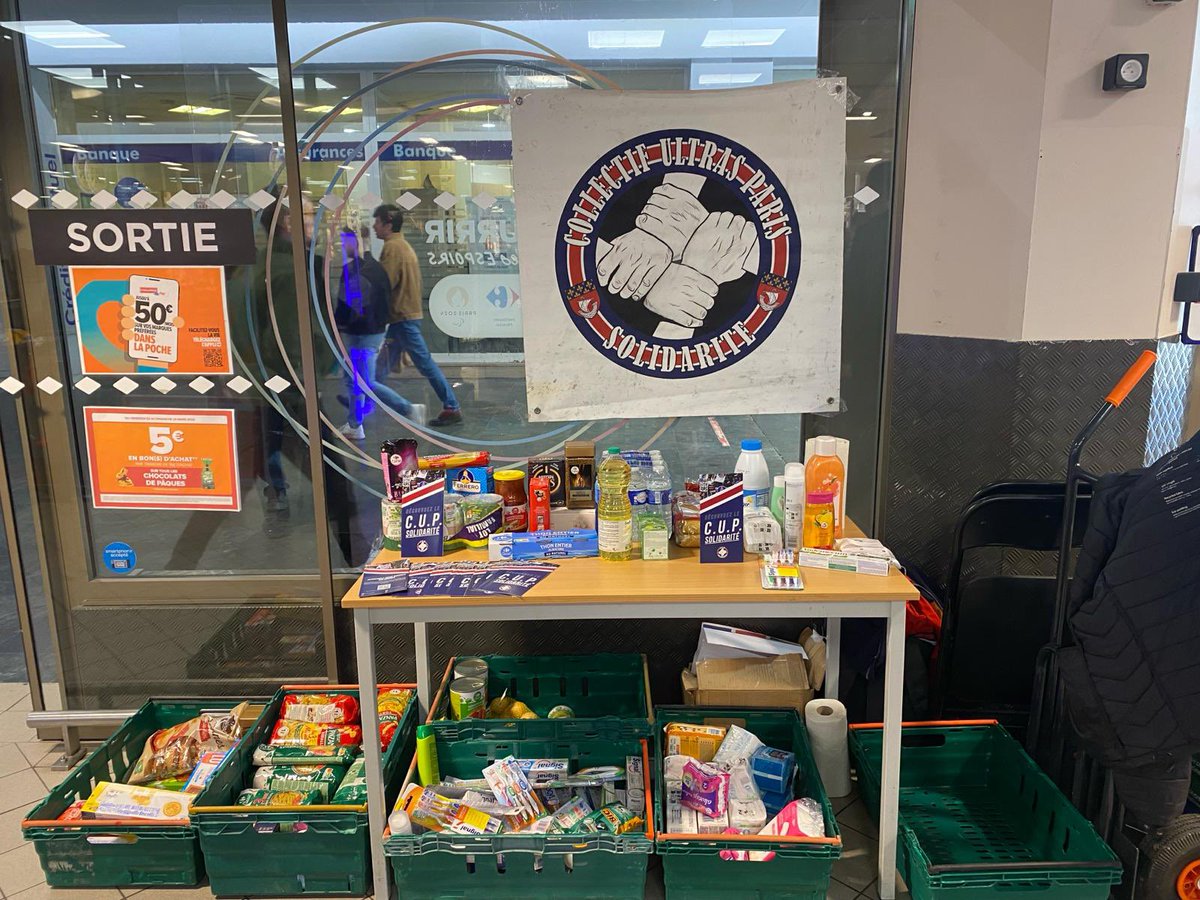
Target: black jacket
point(1133, 676)
point(364, 298)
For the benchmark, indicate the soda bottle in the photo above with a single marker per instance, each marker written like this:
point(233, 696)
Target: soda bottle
point(613, 513)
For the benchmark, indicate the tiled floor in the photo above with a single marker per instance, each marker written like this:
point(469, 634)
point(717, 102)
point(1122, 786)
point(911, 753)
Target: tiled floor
point(26, 776)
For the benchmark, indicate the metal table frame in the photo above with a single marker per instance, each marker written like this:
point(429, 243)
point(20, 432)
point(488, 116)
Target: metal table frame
point(365, 618)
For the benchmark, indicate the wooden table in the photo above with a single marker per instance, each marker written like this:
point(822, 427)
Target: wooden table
point(677, 588)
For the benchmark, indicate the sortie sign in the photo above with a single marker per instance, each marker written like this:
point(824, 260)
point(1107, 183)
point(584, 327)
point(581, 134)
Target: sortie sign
point(125, 237)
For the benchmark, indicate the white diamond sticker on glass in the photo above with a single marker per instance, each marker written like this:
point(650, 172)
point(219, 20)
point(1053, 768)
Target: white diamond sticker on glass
point(24, 198)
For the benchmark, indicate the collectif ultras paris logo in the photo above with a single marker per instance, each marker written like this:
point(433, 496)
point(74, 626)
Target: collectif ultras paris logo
point(677, 253)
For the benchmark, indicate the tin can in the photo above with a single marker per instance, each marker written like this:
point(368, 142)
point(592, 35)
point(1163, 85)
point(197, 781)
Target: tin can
point(468, 698)
point(471, 667)
point(393, 523)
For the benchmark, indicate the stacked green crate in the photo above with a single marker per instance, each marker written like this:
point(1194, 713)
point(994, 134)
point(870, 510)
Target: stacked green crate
point(129, 854)
point(593, 685)
point(692, 866)
point(435, 865)
point(287, 851)
point(979, 819)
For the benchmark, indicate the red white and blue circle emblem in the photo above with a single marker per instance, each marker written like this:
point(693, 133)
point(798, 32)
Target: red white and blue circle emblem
point(677, 254)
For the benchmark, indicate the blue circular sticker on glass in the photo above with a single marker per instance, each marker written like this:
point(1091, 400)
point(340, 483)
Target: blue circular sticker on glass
point(119, 558)
point(126, 189)
point(677, 253)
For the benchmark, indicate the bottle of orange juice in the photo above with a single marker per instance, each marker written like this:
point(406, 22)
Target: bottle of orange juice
point(824, 472)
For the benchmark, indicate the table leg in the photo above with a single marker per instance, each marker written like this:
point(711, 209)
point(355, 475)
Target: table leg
point(421, 645)
point(833, 650)
point(893, 711)
point(364, 643)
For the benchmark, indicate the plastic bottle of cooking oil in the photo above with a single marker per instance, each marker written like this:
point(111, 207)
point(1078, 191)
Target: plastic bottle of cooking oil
point(614, 525)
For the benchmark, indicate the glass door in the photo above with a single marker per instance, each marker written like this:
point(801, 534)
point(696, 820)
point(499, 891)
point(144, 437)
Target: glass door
point(177, 496)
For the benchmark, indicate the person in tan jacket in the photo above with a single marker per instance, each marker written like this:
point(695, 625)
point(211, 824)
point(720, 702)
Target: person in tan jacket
point(399, 260)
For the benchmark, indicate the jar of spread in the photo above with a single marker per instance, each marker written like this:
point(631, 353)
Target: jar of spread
point(510, 484)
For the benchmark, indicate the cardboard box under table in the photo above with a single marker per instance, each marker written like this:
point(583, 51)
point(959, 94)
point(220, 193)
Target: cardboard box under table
point(692, 865)
point(593, 685)
point(93, 853)
point(291, 850)
point(437, 865)
point(778, 681)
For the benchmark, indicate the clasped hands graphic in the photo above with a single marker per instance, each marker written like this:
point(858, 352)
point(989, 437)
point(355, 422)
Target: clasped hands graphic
point(677, 256)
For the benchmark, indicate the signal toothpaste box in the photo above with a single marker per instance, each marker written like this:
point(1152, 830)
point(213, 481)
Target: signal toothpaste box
point(421, 510)
point(721, 508)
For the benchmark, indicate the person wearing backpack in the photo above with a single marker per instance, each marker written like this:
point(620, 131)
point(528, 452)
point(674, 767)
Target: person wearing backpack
point(362, 315)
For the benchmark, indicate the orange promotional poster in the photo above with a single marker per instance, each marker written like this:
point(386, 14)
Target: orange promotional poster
point(142, 458)
point(148, 319)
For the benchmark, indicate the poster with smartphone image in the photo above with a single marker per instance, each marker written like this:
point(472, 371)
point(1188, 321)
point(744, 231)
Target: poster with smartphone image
point(165, 320)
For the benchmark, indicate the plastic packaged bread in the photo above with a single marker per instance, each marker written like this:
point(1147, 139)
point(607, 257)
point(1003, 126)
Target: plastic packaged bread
point(176, 750)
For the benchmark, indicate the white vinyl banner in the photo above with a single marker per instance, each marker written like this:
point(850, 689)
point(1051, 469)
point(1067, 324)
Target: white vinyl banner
point(681, 252)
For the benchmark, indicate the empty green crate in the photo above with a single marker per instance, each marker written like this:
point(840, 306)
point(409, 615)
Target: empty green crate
point(979, 819)
point(439, 866)
point(84, 855)
point(594, 685)
point(272, 851)
point(693, 868)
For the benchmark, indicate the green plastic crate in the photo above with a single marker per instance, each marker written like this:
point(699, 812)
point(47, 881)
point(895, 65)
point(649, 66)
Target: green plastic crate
point(265, 851)
point(86, 855)
point(434, 866)
point(595, 686)
point(693, 868)
point(979, 819)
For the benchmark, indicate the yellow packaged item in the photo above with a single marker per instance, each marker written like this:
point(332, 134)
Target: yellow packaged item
point(126, 801)
point(697, 741)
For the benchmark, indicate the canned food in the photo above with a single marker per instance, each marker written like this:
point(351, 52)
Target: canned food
point(393, 524)
point(471, 667)
point(468, 698)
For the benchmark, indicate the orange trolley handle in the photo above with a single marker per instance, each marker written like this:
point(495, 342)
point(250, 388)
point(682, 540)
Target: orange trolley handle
point(1132, 376)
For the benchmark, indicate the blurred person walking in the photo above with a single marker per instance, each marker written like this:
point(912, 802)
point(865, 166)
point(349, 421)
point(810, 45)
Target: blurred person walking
point(362, 315)
point(404, 334)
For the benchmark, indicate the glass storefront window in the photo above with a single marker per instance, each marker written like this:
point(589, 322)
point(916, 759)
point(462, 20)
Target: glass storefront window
point(184, 100)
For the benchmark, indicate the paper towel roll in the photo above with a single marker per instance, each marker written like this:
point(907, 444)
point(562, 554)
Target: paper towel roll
point(826, 721)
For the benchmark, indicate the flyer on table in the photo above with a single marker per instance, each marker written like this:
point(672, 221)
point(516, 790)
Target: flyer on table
point(141, 458)
point(152, 319)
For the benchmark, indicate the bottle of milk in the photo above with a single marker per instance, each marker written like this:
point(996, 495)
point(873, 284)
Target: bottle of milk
point(756, 477)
